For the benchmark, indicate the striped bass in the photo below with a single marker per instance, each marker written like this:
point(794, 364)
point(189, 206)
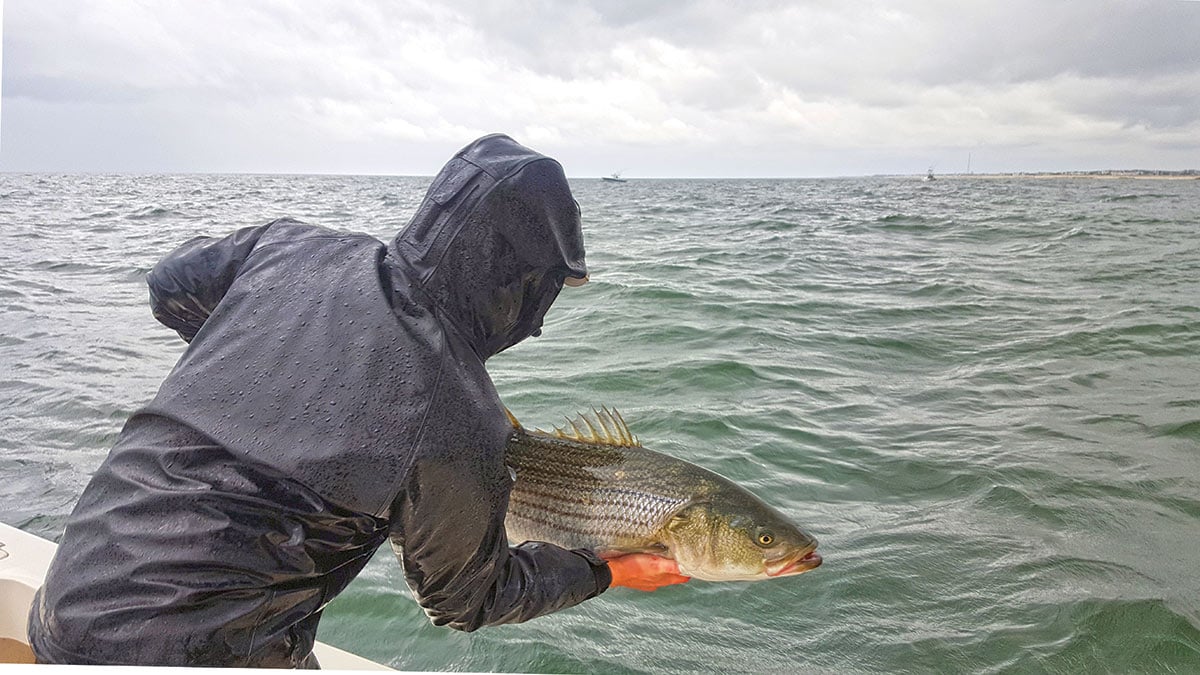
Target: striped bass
point(591, 484)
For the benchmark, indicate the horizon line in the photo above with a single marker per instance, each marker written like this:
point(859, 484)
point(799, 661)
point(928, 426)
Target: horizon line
point(1015, 173)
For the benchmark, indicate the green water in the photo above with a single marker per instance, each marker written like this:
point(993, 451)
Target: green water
point(983, 396)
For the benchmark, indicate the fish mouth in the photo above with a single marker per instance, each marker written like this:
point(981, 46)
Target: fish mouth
point(808, 559)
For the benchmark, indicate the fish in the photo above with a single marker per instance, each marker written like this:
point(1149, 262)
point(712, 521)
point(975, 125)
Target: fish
point(591, 484)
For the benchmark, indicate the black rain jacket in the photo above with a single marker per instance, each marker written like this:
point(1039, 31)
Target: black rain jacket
point(333, 396)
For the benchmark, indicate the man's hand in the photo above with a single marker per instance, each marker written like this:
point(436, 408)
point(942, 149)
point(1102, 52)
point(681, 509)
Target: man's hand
point(643, 571)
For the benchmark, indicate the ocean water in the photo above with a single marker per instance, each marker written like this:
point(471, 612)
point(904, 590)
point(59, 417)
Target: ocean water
point(982, 395)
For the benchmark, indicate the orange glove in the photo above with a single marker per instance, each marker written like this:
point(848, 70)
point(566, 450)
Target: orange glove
point(643, 571)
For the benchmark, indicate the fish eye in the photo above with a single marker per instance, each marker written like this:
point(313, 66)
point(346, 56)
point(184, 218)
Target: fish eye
point(765, 538)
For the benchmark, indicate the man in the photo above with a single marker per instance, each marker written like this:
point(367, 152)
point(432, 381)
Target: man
point(333, 395)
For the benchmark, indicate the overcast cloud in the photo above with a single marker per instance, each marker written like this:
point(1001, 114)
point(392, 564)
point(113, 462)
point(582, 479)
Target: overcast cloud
point(680, 88)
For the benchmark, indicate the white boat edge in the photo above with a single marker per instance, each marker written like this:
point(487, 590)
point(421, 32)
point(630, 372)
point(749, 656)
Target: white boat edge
point(24, 559)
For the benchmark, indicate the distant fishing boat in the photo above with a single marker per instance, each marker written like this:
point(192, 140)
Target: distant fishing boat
point(929, 176)
point(615, 178)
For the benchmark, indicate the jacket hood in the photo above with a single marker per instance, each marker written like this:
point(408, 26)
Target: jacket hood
point(491, 243)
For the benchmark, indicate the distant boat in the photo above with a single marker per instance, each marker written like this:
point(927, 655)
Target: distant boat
point(929, 176)
point(615, 178)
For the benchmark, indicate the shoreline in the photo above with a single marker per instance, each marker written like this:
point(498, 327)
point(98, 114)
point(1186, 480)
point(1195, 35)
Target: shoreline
point(1084, 175)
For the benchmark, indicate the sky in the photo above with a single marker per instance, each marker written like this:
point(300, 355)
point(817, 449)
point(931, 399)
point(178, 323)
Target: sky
point(679, 88)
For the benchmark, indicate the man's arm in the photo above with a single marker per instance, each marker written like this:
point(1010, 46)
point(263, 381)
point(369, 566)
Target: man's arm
point(187, 285)
point(447, 528)
point(448, 531)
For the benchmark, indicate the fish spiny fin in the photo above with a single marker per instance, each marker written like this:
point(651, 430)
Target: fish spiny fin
point(601, 427)
point(630, 439)
point(578, 433)
point(595, 435)
point(512, 419)
point(610, 435)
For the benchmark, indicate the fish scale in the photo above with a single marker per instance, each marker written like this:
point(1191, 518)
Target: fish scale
point(591, 484)
point(585, 496)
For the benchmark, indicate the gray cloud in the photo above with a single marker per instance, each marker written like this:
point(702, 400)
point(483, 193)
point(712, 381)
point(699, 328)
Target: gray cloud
point(695, 87)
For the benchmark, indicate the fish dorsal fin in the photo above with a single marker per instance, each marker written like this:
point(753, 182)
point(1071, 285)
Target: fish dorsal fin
point(601, 427)
point(512, 419)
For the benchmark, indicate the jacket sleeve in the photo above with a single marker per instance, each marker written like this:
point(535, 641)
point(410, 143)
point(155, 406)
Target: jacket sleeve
point(447, 529)
point(186, 286)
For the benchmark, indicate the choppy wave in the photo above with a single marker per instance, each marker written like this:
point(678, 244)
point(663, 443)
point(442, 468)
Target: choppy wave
point(151, 212)
point(979, 394)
